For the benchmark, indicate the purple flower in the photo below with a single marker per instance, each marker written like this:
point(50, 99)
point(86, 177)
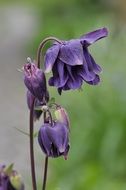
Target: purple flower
point(54, 140)
point(72, 64)
point(35, 81)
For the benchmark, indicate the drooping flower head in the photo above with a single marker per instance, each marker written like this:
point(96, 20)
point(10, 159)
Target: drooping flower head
point(35, 81)
point(72, 64)
point(54, 140)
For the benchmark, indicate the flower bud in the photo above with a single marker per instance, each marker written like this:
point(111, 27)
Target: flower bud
point(54, 140)
point(10, 179)
point(16, 181)
point(35, 81)
point(37, 113)
point(62, 116)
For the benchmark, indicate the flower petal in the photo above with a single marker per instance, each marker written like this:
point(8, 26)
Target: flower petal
point(59, 75)
point(96, 68)
point(44, 140)
point(92, 37)
point(95, 81)
point(74, 84)
point(59, 136)
point(74, 81)
point(71, 53)
point(91, 62)
point(50, 57)
point(86, 71)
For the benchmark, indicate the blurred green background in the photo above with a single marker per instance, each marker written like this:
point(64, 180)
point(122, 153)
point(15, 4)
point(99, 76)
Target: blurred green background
point(97, 158)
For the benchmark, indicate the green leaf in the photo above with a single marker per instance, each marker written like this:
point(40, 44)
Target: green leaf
point(8, 169)
point(21, 131)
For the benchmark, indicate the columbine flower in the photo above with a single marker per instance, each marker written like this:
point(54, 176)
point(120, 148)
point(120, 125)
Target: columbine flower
point(71, 62)
point(35, 81)
point(54, 140)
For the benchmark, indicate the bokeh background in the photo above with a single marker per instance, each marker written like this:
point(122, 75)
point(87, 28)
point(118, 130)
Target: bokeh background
point(97, 159)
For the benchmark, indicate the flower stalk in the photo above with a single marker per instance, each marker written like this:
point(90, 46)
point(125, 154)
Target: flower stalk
point(41, 46)
point(45, 173)
point(31, 129)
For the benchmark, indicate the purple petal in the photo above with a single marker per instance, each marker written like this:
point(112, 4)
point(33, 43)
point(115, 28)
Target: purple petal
point(95, 81)
point(71, 53)
point(44, 140)
point(30, 98)
point(59, 75)
point(86, 71)
point(35, 80)
point(96, 68)
point(58, 135)
point(63, 76)
point(50, 57)
point(92, 37)
point(74, 84)
point(93, 67)
point(74, 81)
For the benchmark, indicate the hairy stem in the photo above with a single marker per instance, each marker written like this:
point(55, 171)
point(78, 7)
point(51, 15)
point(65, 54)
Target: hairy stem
point(42, 44)
point(31, 128)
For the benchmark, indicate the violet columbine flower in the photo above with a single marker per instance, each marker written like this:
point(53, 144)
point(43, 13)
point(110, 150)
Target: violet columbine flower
point(71, 62)
point(54, 140)
point(35, 81)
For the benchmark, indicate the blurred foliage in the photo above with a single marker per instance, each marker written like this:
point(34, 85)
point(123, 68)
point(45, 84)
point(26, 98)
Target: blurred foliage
point(64, 18)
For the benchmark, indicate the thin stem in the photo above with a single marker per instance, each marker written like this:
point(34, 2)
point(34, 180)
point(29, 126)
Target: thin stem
point(45, 173)
point(42, 44)
point(46, 163)
point(50, 116)
point(31, 129)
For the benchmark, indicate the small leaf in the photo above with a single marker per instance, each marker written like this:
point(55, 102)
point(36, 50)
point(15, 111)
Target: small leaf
point(8, 169)
point(21, 131)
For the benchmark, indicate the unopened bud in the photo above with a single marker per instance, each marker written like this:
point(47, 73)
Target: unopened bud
point(62, 116)
point(16, 181)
